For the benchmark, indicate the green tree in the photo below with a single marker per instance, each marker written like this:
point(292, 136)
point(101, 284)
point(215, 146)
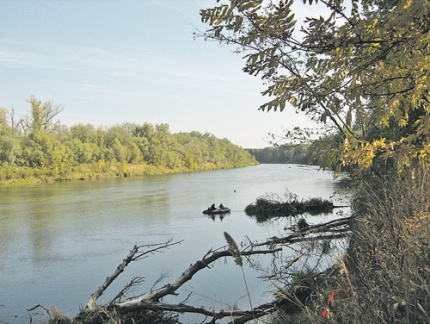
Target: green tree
point(10, 148)
point(41, 115)
point(195, 148)
point(160, 146)
point(36, 149)
point(3, 116)
point(134, 155)
point(101, 144)
point(82, 152)
point(85, 133)
point(50, 149)
point(61, 157)
point(146, 130)
point(119, 150)
point(358, 67)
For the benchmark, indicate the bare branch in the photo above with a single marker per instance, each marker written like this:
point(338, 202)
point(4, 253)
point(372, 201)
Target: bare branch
point(153, 297)
point(299, 236)
point(150, 300)
point(244, 315)
point(130, 257)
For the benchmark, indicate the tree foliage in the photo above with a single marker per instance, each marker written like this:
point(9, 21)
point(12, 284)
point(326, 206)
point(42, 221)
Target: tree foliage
point(41, 115)
point(55, 150)
point(300, 154)
point(359, 67)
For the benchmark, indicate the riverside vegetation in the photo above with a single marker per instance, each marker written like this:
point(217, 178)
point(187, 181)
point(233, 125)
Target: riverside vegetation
point(38, 148)
point(297, 154)
point(362, 71)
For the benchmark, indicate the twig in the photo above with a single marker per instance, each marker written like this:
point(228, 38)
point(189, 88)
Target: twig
point(153, 297)
point(130, 257)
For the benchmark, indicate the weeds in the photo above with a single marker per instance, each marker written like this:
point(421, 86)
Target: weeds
point(234, 250)
point(267, 207)
point(384, 276)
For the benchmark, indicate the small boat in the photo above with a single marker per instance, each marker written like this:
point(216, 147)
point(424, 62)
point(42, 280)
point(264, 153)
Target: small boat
point(210, 211)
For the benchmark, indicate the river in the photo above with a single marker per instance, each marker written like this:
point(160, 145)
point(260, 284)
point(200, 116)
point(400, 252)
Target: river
point(59, 241)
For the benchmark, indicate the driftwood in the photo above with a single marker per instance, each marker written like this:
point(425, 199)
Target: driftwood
point(338, 228)
point(239, 315)
point(151, 300)
point(134, 255)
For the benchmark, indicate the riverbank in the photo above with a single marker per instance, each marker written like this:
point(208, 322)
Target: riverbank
point(384, 274)
point(80, 231)
point(10, 175)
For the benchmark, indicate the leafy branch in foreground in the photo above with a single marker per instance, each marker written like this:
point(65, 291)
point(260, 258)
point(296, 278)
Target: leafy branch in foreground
point(360, 70)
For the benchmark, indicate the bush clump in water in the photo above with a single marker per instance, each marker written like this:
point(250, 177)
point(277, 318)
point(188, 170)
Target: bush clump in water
point(266, 207)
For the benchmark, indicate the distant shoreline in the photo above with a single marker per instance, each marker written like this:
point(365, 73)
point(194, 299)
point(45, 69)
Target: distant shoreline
point(25, 175)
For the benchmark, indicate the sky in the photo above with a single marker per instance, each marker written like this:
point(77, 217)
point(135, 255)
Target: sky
point(111, 62)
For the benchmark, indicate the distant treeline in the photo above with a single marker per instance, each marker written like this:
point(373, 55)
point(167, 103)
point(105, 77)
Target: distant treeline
point(36, 148)
point(300, 154)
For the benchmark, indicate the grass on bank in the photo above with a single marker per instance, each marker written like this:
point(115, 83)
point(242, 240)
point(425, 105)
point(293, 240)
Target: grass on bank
point(384, 276)
point(101, 169)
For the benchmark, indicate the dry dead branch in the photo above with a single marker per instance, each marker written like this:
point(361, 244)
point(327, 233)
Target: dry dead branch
point(338, 228)
point(134, 255)
point(150, 301)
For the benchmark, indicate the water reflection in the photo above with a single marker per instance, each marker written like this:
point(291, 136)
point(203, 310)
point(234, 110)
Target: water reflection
point(68, 237)
point(217, 216)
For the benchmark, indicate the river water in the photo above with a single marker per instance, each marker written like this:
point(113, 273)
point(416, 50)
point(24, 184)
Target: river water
point(60, 241)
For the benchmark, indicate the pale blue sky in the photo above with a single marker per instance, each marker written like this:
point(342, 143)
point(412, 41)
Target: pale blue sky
point(109, 62)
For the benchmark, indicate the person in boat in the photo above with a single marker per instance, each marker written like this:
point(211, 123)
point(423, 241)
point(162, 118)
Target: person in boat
point(213, 207)
point(221, 206)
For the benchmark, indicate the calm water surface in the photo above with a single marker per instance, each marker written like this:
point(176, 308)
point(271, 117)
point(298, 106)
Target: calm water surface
point(60, 241)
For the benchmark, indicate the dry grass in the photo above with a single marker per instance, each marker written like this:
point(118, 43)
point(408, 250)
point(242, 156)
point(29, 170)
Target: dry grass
point(385, 275)
point(234, 249)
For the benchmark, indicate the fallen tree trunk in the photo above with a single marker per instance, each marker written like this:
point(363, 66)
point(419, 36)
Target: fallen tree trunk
point(134, 255)
point(243, 316)
point(338, 228)
point(153, 297)
point(151, 300)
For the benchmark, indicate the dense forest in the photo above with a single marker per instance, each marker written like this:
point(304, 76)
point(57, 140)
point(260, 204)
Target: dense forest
point(300, 154)
point(38, 148)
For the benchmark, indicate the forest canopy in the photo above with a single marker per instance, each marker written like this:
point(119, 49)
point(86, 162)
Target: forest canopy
point(298, 154)
point(40, 146)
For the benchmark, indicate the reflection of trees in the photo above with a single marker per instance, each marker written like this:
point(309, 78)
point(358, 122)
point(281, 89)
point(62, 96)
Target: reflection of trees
point(43, 216)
